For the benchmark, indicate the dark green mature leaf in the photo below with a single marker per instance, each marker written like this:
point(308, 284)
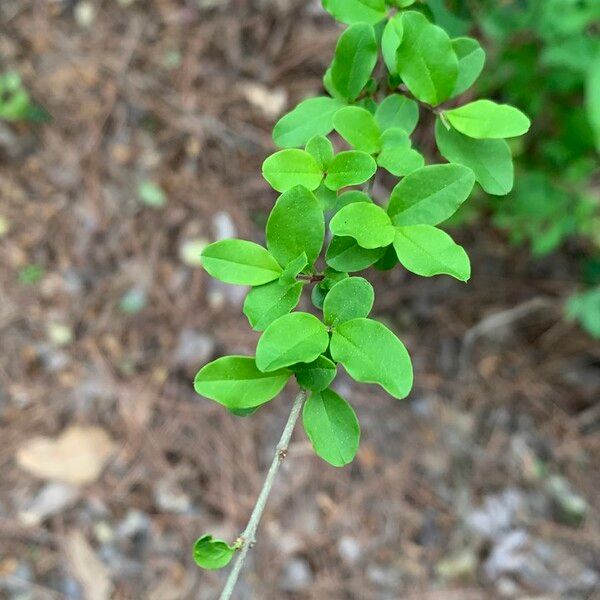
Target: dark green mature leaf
point(210, 553)
point(294, 338)
point(396, 155)
point(311, 117)
point(296, 225)
point(235, 382)
point(359, 128)
point(317, 375)
point(390, 41)
point(356, 11)
point(427, 62)
point(344, 254)
point(321, 150)
point(484, 119)
point(428, 251)
point(332, 427)
point(471, 59)
point(288, 168)
point(490, 160)
point(348, 299)
point(371, 353)
point(268, 302)
point(430, 195)
point(397, 111)
point(366, 222)
point(350, 168)
point(240, 262)
point(354, 60)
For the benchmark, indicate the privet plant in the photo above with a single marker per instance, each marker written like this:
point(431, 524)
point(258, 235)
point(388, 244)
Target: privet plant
point(389, 64)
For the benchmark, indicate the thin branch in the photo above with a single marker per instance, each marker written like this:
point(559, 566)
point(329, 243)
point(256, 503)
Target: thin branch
point(248, 538)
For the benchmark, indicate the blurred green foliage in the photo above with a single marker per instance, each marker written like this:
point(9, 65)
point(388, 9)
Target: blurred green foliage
point(15, 103)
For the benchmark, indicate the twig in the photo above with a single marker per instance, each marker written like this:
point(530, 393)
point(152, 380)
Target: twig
point(249, 535)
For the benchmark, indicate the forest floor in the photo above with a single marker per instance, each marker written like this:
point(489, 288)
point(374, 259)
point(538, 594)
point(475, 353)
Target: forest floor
point(483, 484)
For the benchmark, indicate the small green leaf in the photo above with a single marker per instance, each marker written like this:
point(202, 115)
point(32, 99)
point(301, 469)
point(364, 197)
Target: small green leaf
point(350, 168)
point(471, 59)
point(356, 11)
point(585, 309)
point(397, 111)
point(401, 3)
point(311, 117)
point(592, 97)
point(427, 251)
point(427, 62)
point(240, 262)
point(490, 160)
point(235, 382)
point(344, 254)
point(390, 42)
point(297, 337)
point(296, 225)
point(243, 412)
point(317, 375)
point(327, 198)
point(210, 553)
point(388, 261)
point(349, 197)
point(292, 269)
point(321, 149)
point(484, 119)
point(366, 222)
point(348, 299)
point(430, 195)
point(354, 60)
point(371, 353)
point(332, 427)
point(359, 128)
point(397, 156)
point(266, 303)
point(292, 167)
point(151, 194)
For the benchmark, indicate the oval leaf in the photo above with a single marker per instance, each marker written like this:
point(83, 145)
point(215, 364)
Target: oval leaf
point(356, 11)
point(390, 42)
point(266, 303)
point(317, 375)
point(288, 168)
point(321, 149)
point(350, 168)
point(210, 553)
point(348, 299)
point(359, 128)
point(366, 222)
point(397, 111)
point(471, 59)
point(344, 254)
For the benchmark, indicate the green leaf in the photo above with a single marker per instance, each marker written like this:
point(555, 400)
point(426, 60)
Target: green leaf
point(398, 111)
point(344, 254)
point(266, 303)
point(332, 427)
point(388, 261)
point(427, 251)
point(484, 119)
point(292, 269)
point(585, 309)
point(210, 553)
point(471, 59)
point(359, 128)
point(490, 160)
point(397, 156)
point(592, 97)
point(427, 62)
point(311, 117)
point(297, 337)
point(243, 412)
point(151, 194)
point(354, 60)
point(350, 168)
point(327, 198)
point(288, 168)
point(317, 375)
point(371, 353)
point(235, 382)
point(430, 195)
point(348, 299)
point(356, 11)
point(349, 197)
point(366, 222)
point(296, 225)
point(239, 262)
point(401, 3)
point(390, 42)
point(321, 149)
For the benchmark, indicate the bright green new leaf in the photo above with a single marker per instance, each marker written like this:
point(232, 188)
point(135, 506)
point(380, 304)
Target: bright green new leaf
point(427, 62)
point(427, 251)
point(348, 299)
point(359, 128)
point(210, 553)
point(592, 97)
point(397, 111)
point(484, 119)
point(350, 168)
point(321, 150)
point(356, 11)
point(354, 60)
point(349, 197)
point(240, 262)
point(366, 222)
point(297, 337)
point(327, 198)
point(371, 353)
point(390, 41)
point(332, 427)
point(235, 382)
point(344, 254)
point(430, 195)
point(296, 225)
point(311, 117)
point(471, 59)
point(396, 155)
point(266, 303)
point(490, 160)
point(317, 375)
point(292, 269)
point(288, 168)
